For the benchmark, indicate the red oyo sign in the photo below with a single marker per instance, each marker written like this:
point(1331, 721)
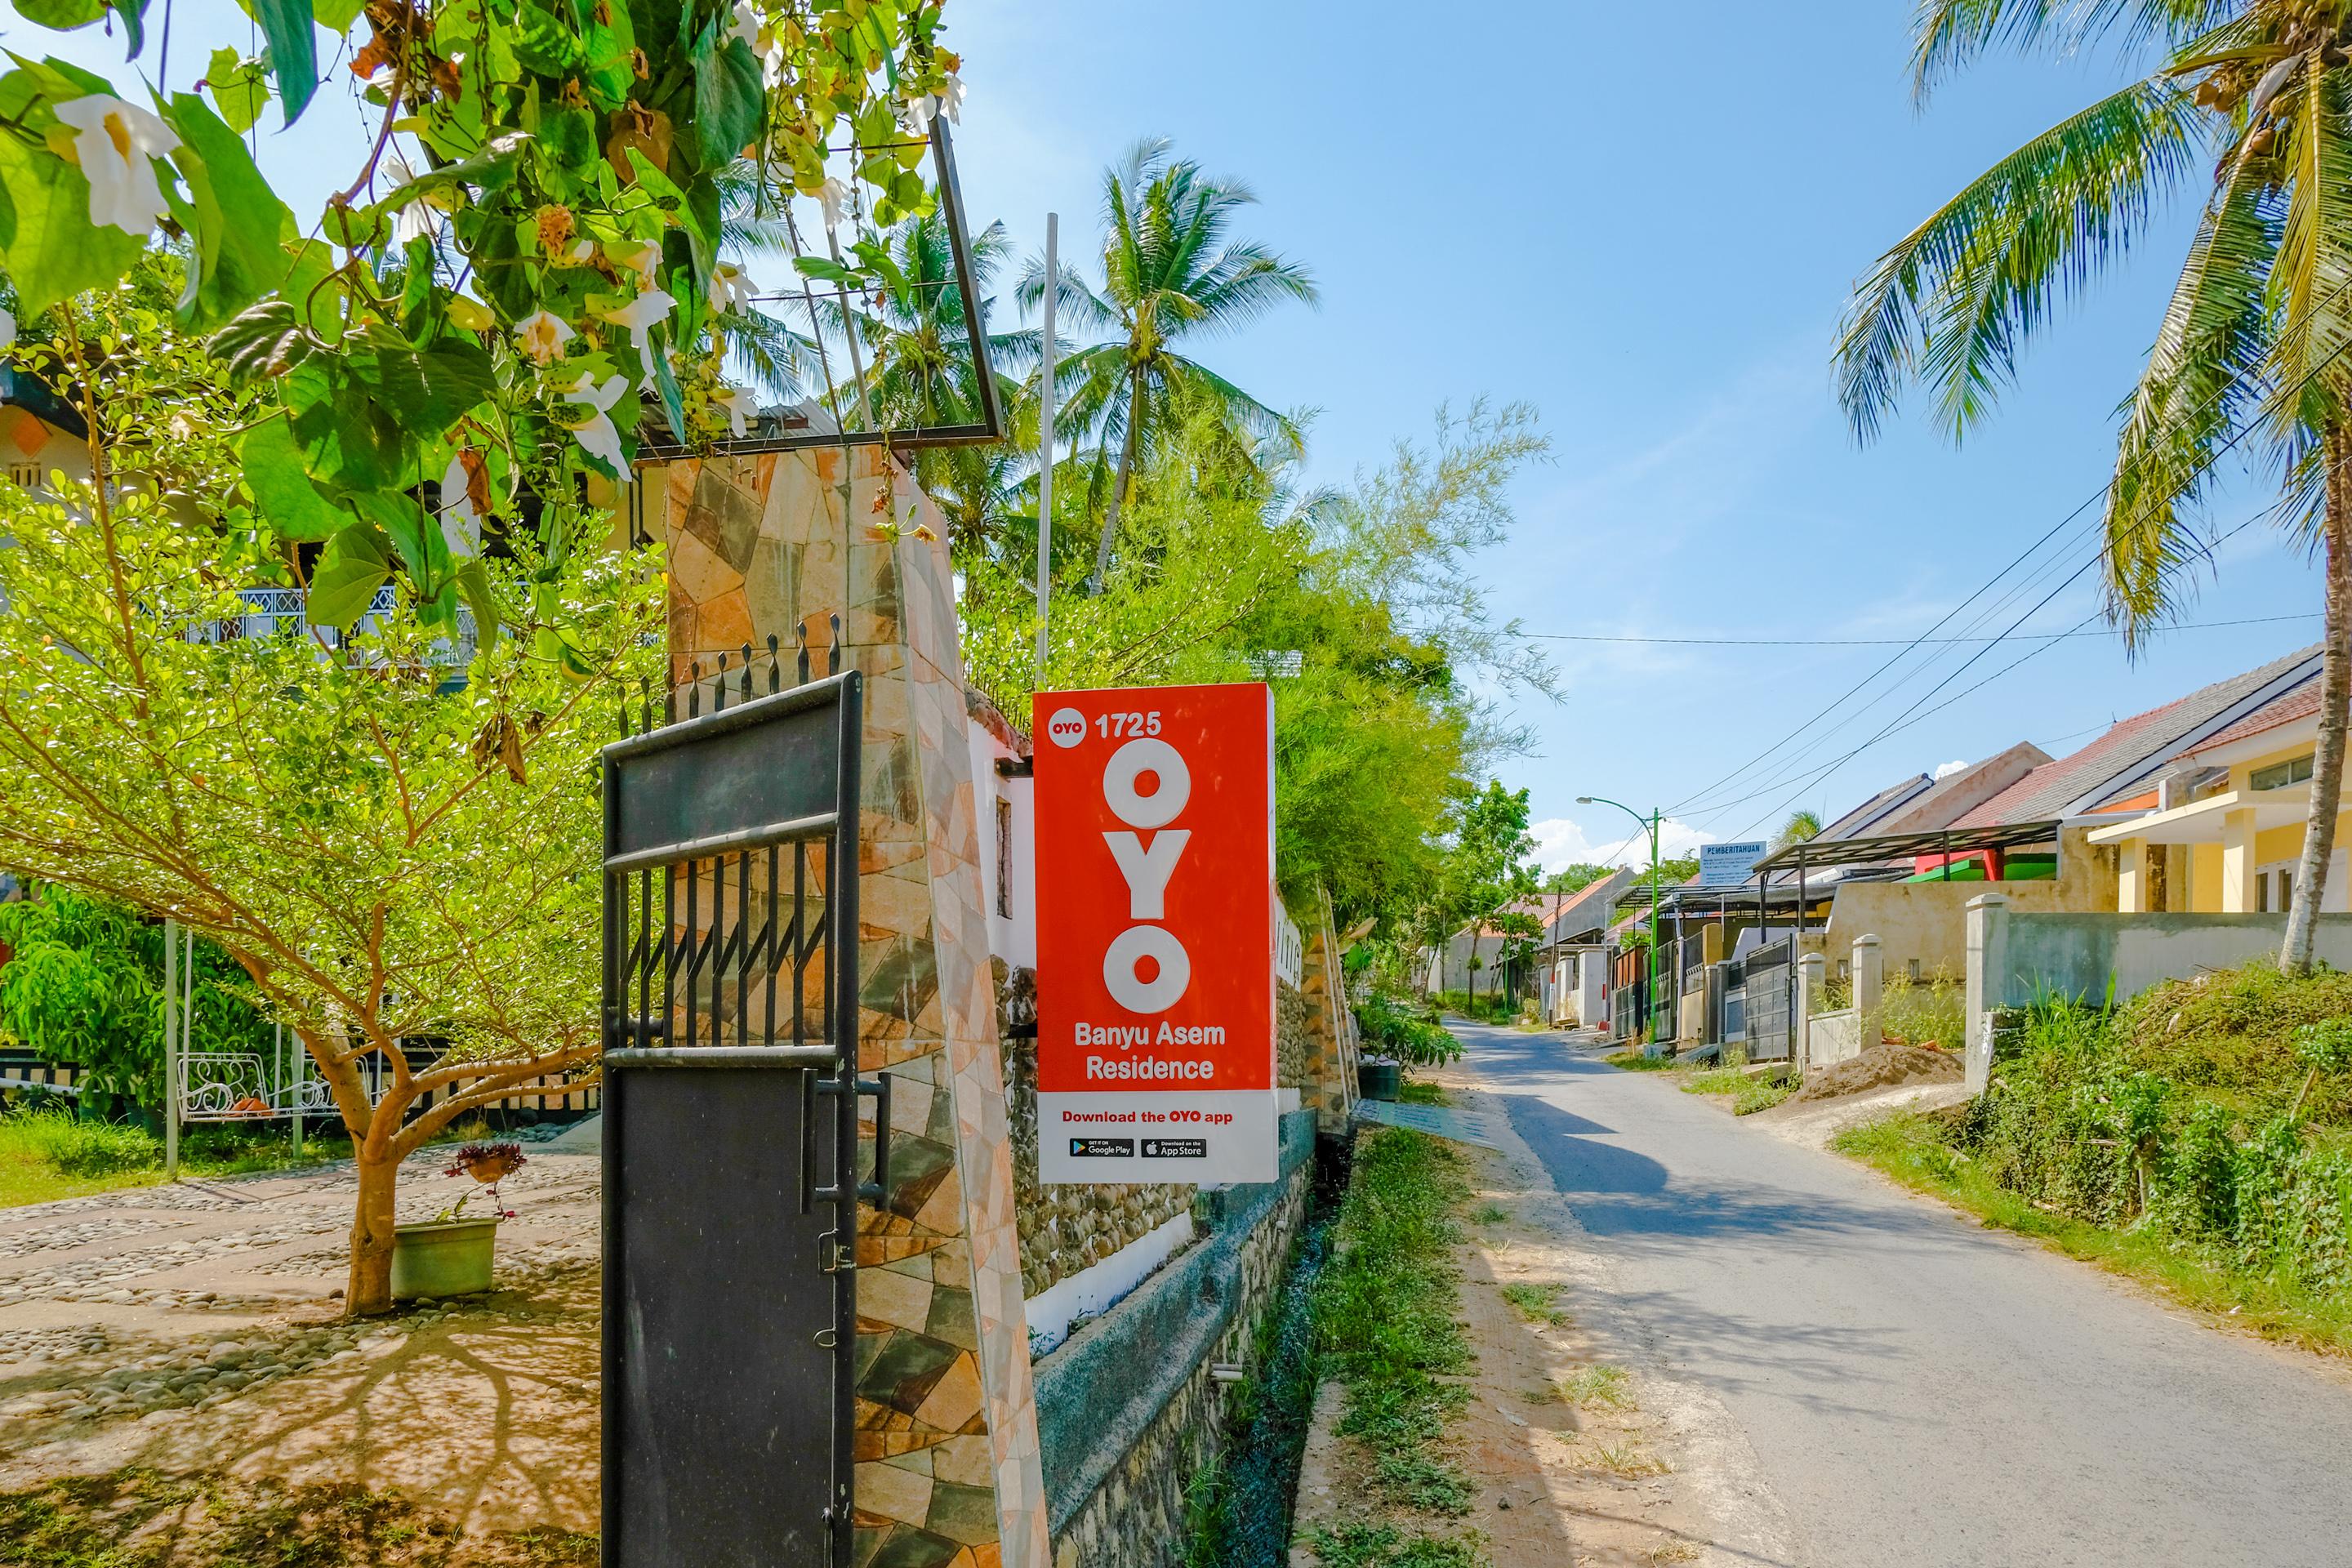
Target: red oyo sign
point(1155, 935)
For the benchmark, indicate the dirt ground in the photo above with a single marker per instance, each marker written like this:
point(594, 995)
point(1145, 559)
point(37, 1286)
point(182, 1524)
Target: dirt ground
point(197, 1329)
point(1631, 1474)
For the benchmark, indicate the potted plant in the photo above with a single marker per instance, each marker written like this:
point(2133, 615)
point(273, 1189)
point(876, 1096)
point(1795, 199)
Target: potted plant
point(450, 1254)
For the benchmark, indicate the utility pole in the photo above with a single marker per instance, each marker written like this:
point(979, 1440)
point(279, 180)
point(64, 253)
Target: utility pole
point(1650, 825)
point(1045, 445)
point(170, 1050)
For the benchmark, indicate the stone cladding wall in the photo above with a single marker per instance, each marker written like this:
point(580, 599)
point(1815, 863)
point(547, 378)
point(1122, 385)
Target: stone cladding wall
point(1066, 1229)
point(1123, 1443)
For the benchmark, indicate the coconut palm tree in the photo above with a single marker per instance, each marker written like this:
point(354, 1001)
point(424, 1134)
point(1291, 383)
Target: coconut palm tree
point(2251, 101)
point(1171, 271)
point(1801, 826)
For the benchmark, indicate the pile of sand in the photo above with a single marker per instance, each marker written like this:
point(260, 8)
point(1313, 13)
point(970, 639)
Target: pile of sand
point(1881, 1067)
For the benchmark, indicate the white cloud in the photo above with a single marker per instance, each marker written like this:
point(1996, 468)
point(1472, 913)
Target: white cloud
point(1945, 769)
point(1562, 841)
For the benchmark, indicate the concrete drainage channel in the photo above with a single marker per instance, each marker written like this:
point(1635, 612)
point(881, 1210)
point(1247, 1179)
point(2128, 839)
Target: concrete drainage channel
point(1245, 1500)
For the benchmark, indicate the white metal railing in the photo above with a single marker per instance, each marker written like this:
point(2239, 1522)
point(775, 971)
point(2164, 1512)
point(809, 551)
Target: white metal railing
point(274, 612)
point(1289, 946)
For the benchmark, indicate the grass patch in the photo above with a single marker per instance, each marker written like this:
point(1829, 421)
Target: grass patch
point(1600, 1386)
point(1385, 1546)
point(1635, 1061)
point(1762, 1094)
point(1493, 1214)
point(1628, 1460)
point(1917, 1152)
point(1422, 1094)
point(137, 1519)
point(1537, 1303)
point(50, 1155)
point(1388, 1319)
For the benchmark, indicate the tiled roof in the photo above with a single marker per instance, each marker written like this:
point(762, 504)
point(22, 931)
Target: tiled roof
point(2136, 747)
point(2300, 703)
point(1589, 904)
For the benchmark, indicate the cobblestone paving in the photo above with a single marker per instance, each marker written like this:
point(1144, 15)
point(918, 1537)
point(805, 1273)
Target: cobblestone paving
point(132, 1304)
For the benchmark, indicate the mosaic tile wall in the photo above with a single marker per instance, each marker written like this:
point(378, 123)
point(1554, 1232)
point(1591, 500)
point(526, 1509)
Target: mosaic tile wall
point(948, 1473)
point(1329, 1073)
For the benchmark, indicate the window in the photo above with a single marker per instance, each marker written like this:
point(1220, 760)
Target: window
point(1004, 858)
point(2278, 775)
point(25, 476)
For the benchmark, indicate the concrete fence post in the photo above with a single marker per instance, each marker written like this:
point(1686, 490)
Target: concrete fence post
point(1869, 990)
point(1988, 982)
point(1812, 970)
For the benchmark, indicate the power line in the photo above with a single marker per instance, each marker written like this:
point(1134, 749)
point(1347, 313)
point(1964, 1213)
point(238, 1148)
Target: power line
point(2105, 490)
point(1890, 642)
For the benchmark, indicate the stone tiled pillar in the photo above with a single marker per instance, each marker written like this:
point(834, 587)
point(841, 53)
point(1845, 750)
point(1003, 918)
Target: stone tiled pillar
point(1330, 1088)
point(1869, 988)
point(1988, 982)
point(947, 1471)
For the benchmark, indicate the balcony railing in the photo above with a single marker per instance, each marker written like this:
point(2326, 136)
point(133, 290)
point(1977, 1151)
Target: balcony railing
point(285, 612)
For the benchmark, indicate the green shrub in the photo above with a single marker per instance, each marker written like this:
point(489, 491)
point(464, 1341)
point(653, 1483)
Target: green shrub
point(2079, 1123)
point(1417, 1039)
point(73, 1148)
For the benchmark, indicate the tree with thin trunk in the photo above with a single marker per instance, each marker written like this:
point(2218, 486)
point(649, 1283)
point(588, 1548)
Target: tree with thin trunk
point(1170, 272)
point(395, 838)
point(1801, 826)
point(2252, 100)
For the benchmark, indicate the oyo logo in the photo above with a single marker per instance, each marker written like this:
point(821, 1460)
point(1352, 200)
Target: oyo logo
point(1067, 727)
point(1146, 868)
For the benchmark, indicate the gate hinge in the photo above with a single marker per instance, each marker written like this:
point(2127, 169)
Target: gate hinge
point(838, 1256)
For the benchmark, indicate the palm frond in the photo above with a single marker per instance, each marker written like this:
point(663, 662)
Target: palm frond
point(1952, 302)
point(1950, 34)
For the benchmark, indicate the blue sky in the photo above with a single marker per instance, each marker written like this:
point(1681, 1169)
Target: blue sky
point(1648, 232)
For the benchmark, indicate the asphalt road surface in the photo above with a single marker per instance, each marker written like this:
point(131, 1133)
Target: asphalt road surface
point(1918, 1390)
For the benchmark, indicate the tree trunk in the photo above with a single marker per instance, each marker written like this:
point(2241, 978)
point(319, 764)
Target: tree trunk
point(2335, 691)
point(369, 1290)
point(1126, 450)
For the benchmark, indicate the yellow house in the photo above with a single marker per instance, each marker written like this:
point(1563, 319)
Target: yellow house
point(2226, 836)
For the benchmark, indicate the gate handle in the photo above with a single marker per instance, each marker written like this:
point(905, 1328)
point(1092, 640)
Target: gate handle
point(878, 1086)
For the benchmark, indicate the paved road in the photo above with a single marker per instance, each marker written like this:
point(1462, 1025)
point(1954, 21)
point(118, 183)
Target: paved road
point(1920, 1391)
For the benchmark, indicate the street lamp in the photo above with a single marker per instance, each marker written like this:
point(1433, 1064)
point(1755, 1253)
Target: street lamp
point(1649, 822)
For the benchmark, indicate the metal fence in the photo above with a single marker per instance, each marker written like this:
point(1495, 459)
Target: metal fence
point(285, 612)
point(1770, 1018)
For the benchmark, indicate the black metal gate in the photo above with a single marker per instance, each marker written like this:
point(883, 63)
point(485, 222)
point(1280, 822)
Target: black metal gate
point(1770, 1015)
point(731, 1126)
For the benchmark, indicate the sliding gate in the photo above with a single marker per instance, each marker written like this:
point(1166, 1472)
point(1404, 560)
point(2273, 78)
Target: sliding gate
point(1769, 1013)
point(730, 1129)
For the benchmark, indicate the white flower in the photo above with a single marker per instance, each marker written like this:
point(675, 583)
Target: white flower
point(115, 142)
point(417, 220)
point(915, 112)
point(597, 436)
point(542, 336)
point(638, 256)
point(748, 24)
point(640, 315)
point(740, 406)
point(8, 328)
point(835, 196)
point(772, 63)
point(729, 290)
point(951, 97)
point(459, 525)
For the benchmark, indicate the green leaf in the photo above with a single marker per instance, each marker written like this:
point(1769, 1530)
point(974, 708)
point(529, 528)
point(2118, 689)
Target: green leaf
point(262, 342)
point(665, 383)
point(239, 87)
point(473, 587)
point(354, 566)
point(568, 135)
point(824, 269)
point(417, 534)
point(241, 225)
point(729, 102)
point(337, 15)
point(293, 51)
point(491, 168)
point(292, 506)
point(348, 437)
point(49, 247)
point(61, 16)
point(135, 24)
